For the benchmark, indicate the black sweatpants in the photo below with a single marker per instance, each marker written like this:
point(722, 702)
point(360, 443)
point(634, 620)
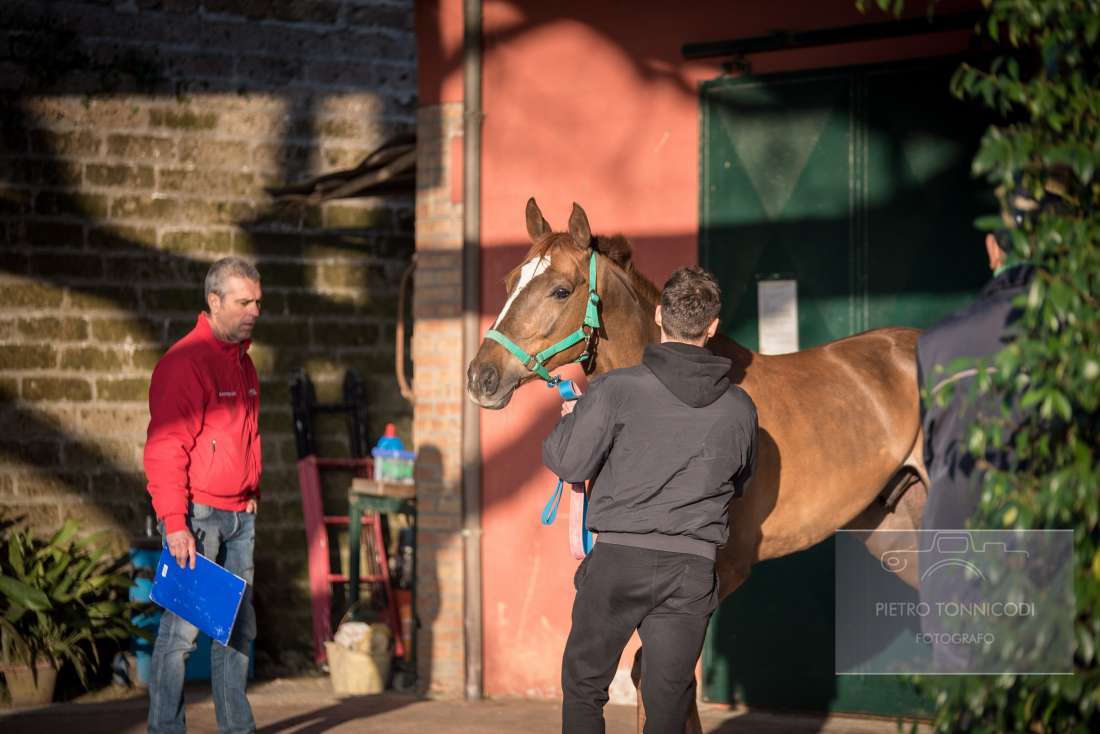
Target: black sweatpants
point(668, 597)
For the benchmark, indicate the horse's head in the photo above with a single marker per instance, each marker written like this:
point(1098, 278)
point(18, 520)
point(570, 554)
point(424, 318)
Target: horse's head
point(548, 297)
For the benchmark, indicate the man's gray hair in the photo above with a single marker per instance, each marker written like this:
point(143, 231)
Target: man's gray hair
point(226, 268)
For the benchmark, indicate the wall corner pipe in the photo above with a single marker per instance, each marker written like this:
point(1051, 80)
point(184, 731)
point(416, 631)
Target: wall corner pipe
point(471, 338)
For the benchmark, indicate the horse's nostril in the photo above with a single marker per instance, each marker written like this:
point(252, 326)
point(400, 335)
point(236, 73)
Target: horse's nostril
point(490, 380)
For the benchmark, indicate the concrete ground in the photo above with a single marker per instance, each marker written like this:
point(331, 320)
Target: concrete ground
point(308, 706)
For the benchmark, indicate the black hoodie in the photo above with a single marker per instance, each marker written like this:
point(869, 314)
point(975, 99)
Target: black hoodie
point(669, 442)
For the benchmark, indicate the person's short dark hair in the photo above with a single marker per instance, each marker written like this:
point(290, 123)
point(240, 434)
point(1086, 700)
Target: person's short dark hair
point(691, 299)
point(223, 270)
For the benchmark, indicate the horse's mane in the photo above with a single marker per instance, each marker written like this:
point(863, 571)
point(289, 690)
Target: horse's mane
point(614, 248)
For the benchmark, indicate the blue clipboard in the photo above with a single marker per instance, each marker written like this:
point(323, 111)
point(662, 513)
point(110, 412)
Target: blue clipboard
point(207, 596)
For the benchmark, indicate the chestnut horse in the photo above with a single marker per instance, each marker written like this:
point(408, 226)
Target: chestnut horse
point(839, 442)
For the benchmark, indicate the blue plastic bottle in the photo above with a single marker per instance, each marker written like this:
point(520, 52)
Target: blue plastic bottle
point(392, 463)
point(390, 441)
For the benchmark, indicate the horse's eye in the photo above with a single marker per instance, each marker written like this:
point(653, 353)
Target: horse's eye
point(560, 293)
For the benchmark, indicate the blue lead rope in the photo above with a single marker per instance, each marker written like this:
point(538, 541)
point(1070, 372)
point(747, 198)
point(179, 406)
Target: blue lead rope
point(550, 512)
point(568, 391)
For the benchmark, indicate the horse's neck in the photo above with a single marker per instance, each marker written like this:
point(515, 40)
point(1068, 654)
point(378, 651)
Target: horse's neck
point(628, 327)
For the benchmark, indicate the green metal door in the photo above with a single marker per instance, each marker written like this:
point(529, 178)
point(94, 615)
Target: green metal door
point(854, 183)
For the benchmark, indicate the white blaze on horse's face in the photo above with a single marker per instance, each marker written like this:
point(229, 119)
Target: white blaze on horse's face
point(530, 270)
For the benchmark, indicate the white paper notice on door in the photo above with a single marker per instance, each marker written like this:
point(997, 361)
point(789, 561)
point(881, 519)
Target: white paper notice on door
point(777, 304)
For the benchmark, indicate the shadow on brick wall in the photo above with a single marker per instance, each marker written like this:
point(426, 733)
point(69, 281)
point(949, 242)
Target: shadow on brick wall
point(118, 188)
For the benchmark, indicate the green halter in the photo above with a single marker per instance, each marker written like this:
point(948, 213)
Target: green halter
point(587, 331)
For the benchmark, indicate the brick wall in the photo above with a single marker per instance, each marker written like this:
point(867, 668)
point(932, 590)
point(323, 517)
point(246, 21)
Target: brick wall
point(438, 385)
point(136, 138)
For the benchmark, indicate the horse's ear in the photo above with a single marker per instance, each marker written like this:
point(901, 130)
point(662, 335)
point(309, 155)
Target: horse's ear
point(578, 227)
point(616, 249)
point(537, 226)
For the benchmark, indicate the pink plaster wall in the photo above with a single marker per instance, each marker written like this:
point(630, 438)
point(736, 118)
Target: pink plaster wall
point(592, 102)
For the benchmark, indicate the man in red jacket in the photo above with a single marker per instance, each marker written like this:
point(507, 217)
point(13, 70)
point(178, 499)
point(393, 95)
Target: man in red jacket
point(202, 460)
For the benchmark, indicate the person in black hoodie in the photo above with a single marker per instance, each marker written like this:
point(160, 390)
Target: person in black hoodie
point(669, 443)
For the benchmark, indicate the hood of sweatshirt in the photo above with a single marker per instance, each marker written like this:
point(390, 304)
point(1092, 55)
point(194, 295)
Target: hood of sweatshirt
point(693, 374)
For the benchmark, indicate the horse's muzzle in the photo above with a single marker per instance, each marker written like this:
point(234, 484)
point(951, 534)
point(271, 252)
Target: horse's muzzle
point(483, 386)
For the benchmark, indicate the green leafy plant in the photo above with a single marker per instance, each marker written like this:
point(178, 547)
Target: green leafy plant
point(61, 596)
point(1045, 83)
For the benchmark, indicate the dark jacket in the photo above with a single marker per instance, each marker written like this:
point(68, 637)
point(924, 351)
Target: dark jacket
point(978, 331)
point(668, 442)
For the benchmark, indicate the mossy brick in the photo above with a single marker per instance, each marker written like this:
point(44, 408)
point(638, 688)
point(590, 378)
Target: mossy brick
point(141, 147)
point(30, 295)
point(276, 420)
point(72, 204)
point(355, 217)
point(282, 332)
point(162, 269)
point(182, 119)
point(37, 516)
point(119, 237)
point(285, 274)
point(172, 299)
point(284, 156)
point(290, 215)
point(115, 331)
point(95, 515)
point(54, 329)
point(214, 153)
point(263, 357)
point(289, 359)
point(344, 334)
point(184, 241)
point(311, 303)
point(64, 144)
point(379, 361)
point(347, 275)
point(340, 127)
point(208, 182)
point(117, 175)
point(127, 389)
point(104, 298)
point(179, 328)
point(92, 359)
point(228, 212)
point(98, 420)
point(67, 265)
point(52, 234)
point(56, 388)
point(27, 356)
point(50, 172)
point(268, 244)
point(119, 486)
point(146, 359)
point(145, 207)
point(32, 452)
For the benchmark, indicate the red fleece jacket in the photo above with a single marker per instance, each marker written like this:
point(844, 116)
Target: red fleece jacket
point(204, 442)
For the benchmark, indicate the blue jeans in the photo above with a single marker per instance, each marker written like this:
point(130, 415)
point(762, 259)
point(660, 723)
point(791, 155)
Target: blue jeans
point(227, 537)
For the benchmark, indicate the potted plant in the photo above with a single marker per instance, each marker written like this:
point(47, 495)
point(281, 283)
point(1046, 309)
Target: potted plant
point(58, 598)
